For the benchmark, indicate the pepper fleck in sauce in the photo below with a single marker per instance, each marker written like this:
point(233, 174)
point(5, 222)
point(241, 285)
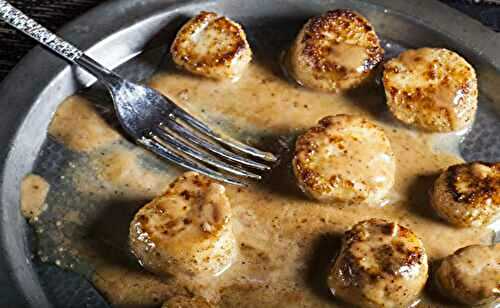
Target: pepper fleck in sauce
point(286, 241)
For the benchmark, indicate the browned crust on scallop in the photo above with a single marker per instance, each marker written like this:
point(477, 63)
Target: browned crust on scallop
point(465, 196)
point(312, 55)
point(390, 259)
point(305, 145)
point(417, 105)
point(345, 20)
point(456, 282)
point(155, 232)
point(203, 63)
point(201, 182)
point(478, 188)
point(388, 266)
point(311, 181)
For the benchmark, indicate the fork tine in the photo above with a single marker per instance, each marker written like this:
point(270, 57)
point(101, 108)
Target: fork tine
point(212, 147)
point(182, 114)
point(171, 156)
point(183, 147)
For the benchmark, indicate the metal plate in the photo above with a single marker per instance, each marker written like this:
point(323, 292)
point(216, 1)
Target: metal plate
point(31, 93)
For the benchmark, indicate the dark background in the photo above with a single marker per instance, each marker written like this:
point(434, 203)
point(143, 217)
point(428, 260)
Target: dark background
point(55, 13)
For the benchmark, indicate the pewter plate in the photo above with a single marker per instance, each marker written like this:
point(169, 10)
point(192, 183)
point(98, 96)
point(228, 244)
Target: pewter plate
point(118, 31)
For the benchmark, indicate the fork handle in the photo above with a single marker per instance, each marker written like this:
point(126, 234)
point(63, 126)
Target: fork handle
point(54, 43)
point(28, 26)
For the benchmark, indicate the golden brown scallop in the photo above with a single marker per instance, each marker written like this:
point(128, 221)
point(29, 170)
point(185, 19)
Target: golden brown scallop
point(380, 264)
point(186, 302)
point(434, 89)
point(187, 230)
point(471, 275)
point(212, 46)
point(334, 51)
point(344, 158)
point(468, 195)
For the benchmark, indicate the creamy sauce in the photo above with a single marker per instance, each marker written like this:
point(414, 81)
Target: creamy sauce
point(446, 97)
point(286, 241)
point(120, 167)
point(34, 190)
point(79, 127)
point(350, 150)
point(352, 57)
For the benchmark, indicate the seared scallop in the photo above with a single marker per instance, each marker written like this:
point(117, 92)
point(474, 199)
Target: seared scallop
point(344, 158)
point(380, 264)
point(434, 89)
point(212, 46)
point(187, 230)
point(468, 195)
point(471, 275)
point(186, 302)
point(334, 51)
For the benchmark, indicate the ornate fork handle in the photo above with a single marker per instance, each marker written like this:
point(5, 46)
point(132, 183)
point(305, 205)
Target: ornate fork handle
point(64, 49)
point(22, 22)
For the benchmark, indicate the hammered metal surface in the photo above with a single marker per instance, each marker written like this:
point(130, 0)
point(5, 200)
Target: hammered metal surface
point(74, 292)
point(483, 142)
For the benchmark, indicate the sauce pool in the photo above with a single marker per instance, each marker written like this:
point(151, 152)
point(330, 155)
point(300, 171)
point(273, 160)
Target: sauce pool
point(286, 241)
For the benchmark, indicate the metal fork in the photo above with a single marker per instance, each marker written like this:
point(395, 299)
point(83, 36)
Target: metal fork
point(152, 119)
